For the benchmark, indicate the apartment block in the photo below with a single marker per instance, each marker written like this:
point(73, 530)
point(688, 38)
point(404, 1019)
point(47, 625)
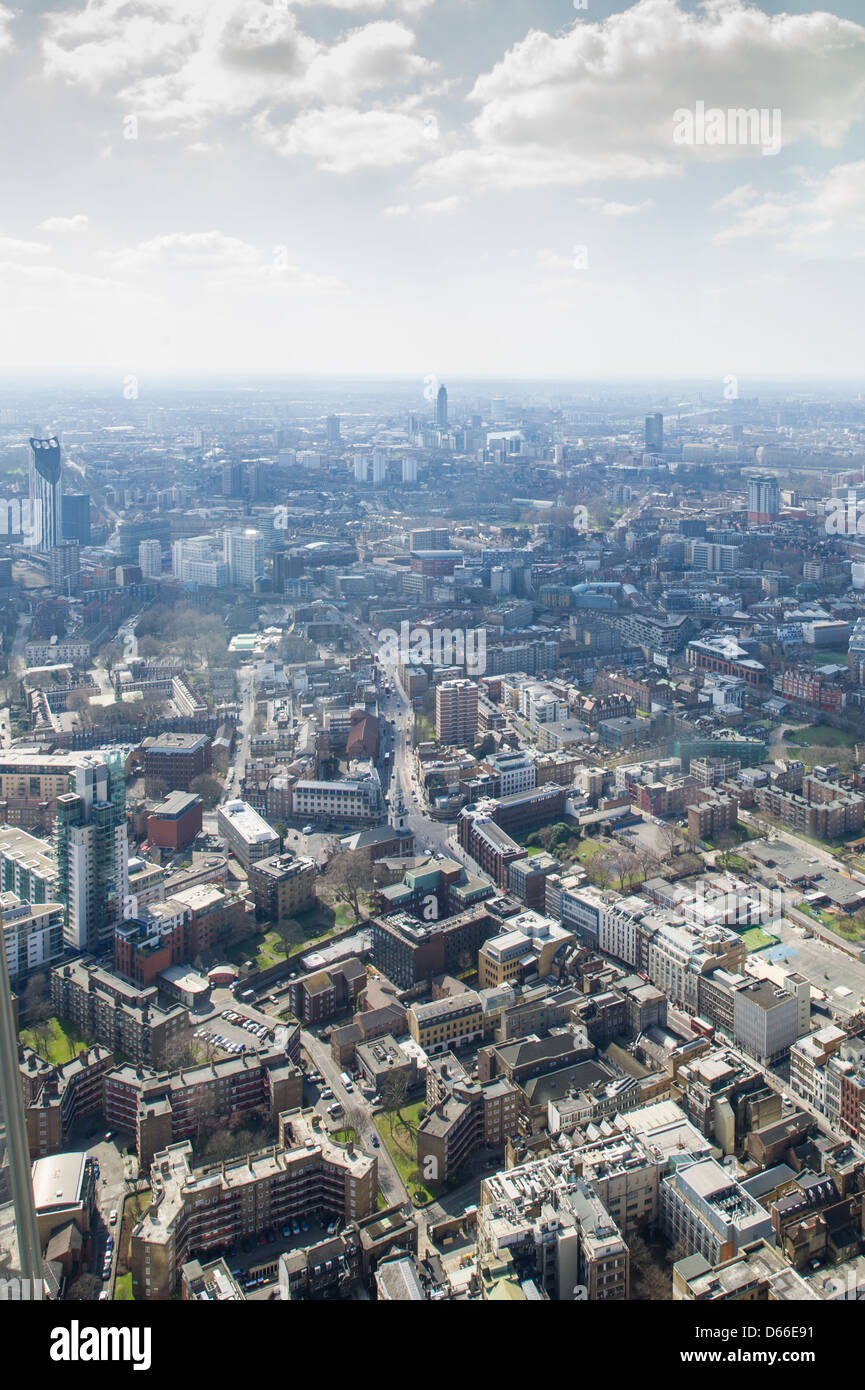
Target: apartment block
point(176, 759)
point(282, 886)
point(456, 712)
point(198, 1211)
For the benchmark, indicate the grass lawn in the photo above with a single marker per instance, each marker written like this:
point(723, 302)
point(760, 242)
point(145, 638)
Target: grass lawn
point(401, 1144)
point(532, 850)
point(267, 948)
point(756, 939)
point(123, 1289)
point(850, 928)
point(343, 915)
point(587, 849)
point(61, 1043)
point(824, 735)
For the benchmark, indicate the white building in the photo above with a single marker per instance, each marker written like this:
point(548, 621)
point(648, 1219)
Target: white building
point(150, 559)
point(246, 832)
point(244, 555)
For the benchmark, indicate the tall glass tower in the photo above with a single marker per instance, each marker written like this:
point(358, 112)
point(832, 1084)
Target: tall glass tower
point(20, 1253)
point(46, 490)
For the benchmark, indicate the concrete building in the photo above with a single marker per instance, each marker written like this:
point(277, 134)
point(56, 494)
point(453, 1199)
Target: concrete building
point(246, 833)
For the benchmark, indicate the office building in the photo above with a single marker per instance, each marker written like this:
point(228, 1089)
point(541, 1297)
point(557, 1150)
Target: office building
point(246, 833)
point(176, 759)
point(46, 490)
point(442, 408)
point(75, 517)
point(176, 821)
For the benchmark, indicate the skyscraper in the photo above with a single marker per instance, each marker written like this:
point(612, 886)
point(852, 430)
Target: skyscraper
point(409, 470)
point(93, 851)
point(442, 408)
point(333, 435)
point(20, 1249)
point(360, 468)
point(654, 433)
point(75, 517)
point(763, 499)
point(379, 467)
point(244, 555)
point(46, 492)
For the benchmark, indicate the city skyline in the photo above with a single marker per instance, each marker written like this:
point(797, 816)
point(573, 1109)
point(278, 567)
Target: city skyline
point(275, 187)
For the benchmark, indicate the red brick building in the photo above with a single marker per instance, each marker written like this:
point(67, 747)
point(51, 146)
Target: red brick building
point(176, 821)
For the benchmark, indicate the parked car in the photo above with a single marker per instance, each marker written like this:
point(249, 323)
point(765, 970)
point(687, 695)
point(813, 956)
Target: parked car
point(112, 1217)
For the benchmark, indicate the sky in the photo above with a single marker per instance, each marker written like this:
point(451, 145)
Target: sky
point(433, 187)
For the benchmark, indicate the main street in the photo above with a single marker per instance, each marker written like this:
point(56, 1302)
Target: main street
point(355, 1103)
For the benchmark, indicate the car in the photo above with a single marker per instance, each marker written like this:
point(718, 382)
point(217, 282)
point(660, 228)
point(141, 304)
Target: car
point(112, 1217)
point(262, 1239)
point(108, 1137)
point(104, 1296)
point(327, 1093)
point(373, 1139)
point(286, 1231)
point(308, 829)
point(226, 1013)
point(331, 1230)
point(295, 1225)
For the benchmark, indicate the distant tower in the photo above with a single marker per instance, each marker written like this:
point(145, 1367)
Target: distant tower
point(333, 435)
point(409, 470)
point(763, 499)
point(654, 433)
point(46, 491)
point(442, 408)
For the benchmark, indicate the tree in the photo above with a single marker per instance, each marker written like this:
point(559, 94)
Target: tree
point(394, 1090)
point(208, 787)
point(355, 1121)
point(155, 788)
point(347, 876)
point(669, 836)
point(288, 930)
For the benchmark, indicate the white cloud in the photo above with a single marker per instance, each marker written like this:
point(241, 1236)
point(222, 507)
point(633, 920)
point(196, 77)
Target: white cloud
point(410, 7)
point(11, 246)
point(182, 63)
point(222, 261)
point(6, 18)
point(607, 208)
point(396, 210)
point(187, 251)
point(824, 204)
point(79, 222)
point(597, 101)
point(341, 139)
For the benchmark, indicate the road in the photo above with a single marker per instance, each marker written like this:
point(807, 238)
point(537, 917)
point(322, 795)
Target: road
point(319, 1054)
point(431, 836)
